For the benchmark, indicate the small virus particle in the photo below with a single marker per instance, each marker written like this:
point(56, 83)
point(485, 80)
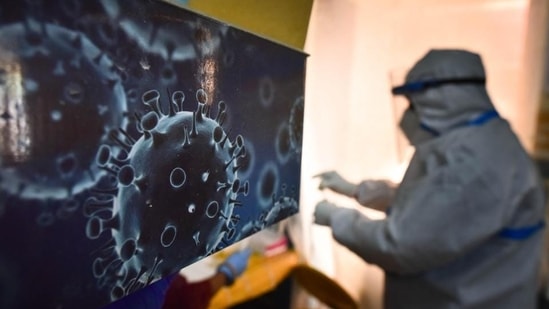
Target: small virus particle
point(283, 143)
point(268, 184)
point(266, 91)
point(281, 208)
point(175, 191)
point(296, 125)
point(59, 100)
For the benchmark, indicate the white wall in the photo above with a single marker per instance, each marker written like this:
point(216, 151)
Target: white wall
point(354, 47)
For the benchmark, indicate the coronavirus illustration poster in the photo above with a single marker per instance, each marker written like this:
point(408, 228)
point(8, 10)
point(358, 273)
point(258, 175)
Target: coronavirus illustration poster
point(136, 138)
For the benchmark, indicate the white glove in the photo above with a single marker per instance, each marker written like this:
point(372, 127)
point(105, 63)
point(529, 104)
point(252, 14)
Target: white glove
point(323, 212)
point(333, 181)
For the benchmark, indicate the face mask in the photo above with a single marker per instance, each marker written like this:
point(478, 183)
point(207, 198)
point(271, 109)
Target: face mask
point(411, 127)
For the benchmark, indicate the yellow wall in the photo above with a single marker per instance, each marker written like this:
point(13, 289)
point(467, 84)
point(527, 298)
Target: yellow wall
point(282, 21)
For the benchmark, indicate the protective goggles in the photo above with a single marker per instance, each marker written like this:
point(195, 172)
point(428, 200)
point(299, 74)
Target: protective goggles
point(425, 84)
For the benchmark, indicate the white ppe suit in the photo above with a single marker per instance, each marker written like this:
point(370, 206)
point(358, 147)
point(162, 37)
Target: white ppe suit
point(463, 228)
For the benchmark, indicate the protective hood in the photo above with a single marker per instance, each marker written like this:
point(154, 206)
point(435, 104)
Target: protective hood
point(447, 105)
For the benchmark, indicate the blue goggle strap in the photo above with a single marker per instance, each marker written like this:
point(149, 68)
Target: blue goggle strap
point(425, 84)
point(478, 121)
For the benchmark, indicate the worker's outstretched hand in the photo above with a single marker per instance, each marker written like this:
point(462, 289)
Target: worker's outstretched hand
point(333, 181)
point(323, 212)
point(235, 264)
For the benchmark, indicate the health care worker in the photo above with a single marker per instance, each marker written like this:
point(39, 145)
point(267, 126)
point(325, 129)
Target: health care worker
point(463, 227)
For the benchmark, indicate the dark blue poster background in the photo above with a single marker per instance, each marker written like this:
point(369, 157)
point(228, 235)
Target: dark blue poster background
point(135, 139)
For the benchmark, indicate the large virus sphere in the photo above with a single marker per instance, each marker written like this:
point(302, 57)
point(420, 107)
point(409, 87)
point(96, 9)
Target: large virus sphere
point(177, 188)
point(59, 99)
point(163, 35)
